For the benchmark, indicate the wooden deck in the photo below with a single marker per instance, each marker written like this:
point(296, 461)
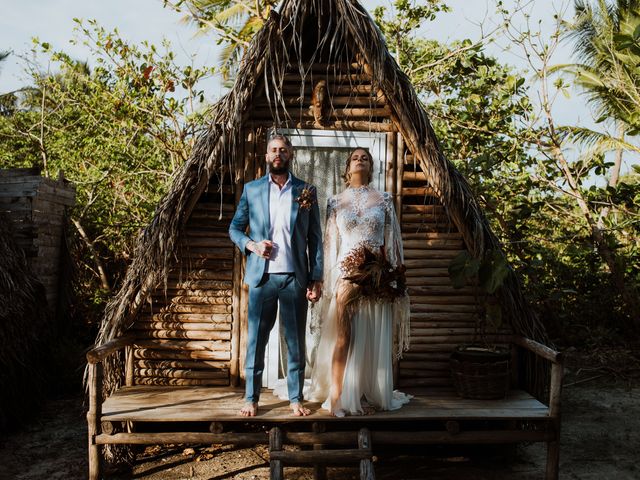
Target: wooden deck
point(198, 404)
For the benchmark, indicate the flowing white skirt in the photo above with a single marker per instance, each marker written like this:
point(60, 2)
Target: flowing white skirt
point(368, 376)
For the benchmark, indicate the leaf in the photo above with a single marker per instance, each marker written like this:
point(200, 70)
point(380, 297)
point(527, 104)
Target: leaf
point(493, 270)
point(461, 268)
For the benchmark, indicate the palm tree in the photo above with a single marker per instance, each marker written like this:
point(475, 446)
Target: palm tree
point(606, 40)
point(236, 21)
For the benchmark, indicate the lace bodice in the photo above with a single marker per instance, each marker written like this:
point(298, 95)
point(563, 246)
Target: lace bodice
point(356, 216)
point(360, 217)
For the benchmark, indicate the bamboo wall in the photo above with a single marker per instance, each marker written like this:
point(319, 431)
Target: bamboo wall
point(37, 209)
point(184, 331)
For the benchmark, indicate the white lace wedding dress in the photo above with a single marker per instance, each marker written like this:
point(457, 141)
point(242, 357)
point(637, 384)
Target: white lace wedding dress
point(357, 216)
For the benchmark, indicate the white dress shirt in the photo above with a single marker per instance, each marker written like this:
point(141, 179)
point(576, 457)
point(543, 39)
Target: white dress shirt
point(281, 260)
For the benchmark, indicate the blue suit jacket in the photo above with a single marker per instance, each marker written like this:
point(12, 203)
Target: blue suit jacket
point(306, 234)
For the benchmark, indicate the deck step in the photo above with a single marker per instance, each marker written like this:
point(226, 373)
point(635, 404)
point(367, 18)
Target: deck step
point(319, 458)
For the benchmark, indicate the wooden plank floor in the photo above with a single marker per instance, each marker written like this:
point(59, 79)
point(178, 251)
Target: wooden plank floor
point(187, 404)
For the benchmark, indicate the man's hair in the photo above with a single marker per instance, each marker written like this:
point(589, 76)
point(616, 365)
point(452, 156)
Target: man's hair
point(283, 138)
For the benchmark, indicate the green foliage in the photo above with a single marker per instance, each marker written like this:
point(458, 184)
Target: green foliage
point(118, 129)
point(233, 22)
point(491, 131)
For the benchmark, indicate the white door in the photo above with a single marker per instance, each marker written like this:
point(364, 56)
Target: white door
point(320, 158)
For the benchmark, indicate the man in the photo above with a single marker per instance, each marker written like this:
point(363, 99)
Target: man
point(284, 267)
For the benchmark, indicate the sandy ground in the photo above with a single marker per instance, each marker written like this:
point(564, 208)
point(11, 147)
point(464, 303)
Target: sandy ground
point(600, 440)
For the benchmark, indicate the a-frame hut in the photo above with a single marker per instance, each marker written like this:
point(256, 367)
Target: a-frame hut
point(182, 306)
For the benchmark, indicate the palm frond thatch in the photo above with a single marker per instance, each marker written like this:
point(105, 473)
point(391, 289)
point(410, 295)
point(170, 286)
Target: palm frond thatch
point(24, 332)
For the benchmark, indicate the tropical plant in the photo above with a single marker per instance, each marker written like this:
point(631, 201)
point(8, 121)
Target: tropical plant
point(118, 130)
point(235, 22)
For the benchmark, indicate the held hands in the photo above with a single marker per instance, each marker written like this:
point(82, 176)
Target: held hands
point(262, 249)
point(314, 291)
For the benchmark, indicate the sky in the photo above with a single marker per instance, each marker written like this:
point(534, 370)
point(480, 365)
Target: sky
point(52, 21)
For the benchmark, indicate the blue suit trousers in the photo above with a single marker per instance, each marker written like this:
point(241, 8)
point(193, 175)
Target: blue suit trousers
point(276, 289)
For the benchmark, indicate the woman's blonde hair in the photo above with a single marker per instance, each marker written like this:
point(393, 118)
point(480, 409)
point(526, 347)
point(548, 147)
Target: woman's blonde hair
point(347, 176)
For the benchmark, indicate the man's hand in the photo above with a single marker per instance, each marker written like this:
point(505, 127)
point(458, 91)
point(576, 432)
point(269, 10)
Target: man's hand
point(314, 291)
point(262, 249)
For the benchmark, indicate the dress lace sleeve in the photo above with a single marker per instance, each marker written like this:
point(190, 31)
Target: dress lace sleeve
point(395, 255)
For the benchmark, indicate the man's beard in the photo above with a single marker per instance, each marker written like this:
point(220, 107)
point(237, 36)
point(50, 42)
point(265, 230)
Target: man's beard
point(279, 170)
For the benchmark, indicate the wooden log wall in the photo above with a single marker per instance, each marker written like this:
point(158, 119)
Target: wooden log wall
point(442, 317)
point(353, 103)
point(37, 209)
point(184, 332)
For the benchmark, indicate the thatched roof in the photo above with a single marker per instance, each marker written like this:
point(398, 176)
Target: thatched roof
point(24, 332)
point(340, 29)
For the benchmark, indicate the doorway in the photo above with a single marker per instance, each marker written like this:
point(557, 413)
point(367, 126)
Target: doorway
point(319, 159)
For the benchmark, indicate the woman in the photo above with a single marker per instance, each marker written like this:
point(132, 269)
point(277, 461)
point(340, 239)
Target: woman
point(360, 319)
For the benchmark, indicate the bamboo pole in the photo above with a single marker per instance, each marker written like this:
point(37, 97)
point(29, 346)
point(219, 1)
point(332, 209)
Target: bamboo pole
point(275, 447)
point(188, 334)
point(390, 166)
point(182, 382)
point(187, 326)
point(351, 125)
point(366, 465)
point(319, 471)
point(553, 445)
point(181, 437)
point(336, 101)
point(434, 209)
point(399, 153)
point(187, 309)
point(427, 263)
point(93, 418)
point(196, 345)
point(210, 358)
point(175, 373)
point(128, 351)
point(247, 155)
point(183, 365)
point(187, 315)
point(191, 304)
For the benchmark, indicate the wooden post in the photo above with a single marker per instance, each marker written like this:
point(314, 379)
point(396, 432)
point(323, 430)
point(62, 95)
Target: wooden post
point(399, 175)
point(93, 418)
point(239, 178)
point(216, 427)
point(275, 445)
point(128, 352)
point(319, 470)
point(553, 446)
point(366, 465)
point(390, 167)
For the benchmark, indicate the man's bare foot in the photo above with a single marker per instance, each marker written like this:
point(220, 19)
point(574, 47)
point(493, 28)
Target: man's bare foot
point(299, 410)
point(249, 409)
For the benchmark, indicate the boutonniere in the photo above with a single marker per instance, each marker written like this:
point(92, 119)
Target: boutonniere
point(307, 197)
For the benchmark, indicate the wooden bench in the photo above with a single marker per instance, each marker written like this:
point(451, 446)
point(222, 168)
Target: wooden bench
point(434, 416)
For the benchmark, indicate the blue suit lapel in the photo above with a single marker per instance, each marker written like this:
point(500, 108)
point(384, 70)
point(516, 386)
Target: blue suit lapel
point(295, 193)
point(264, 201)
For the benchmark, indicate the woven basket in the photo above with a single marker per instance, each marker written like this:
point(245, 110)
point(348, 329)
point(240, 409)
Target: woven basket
point(480, 373)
